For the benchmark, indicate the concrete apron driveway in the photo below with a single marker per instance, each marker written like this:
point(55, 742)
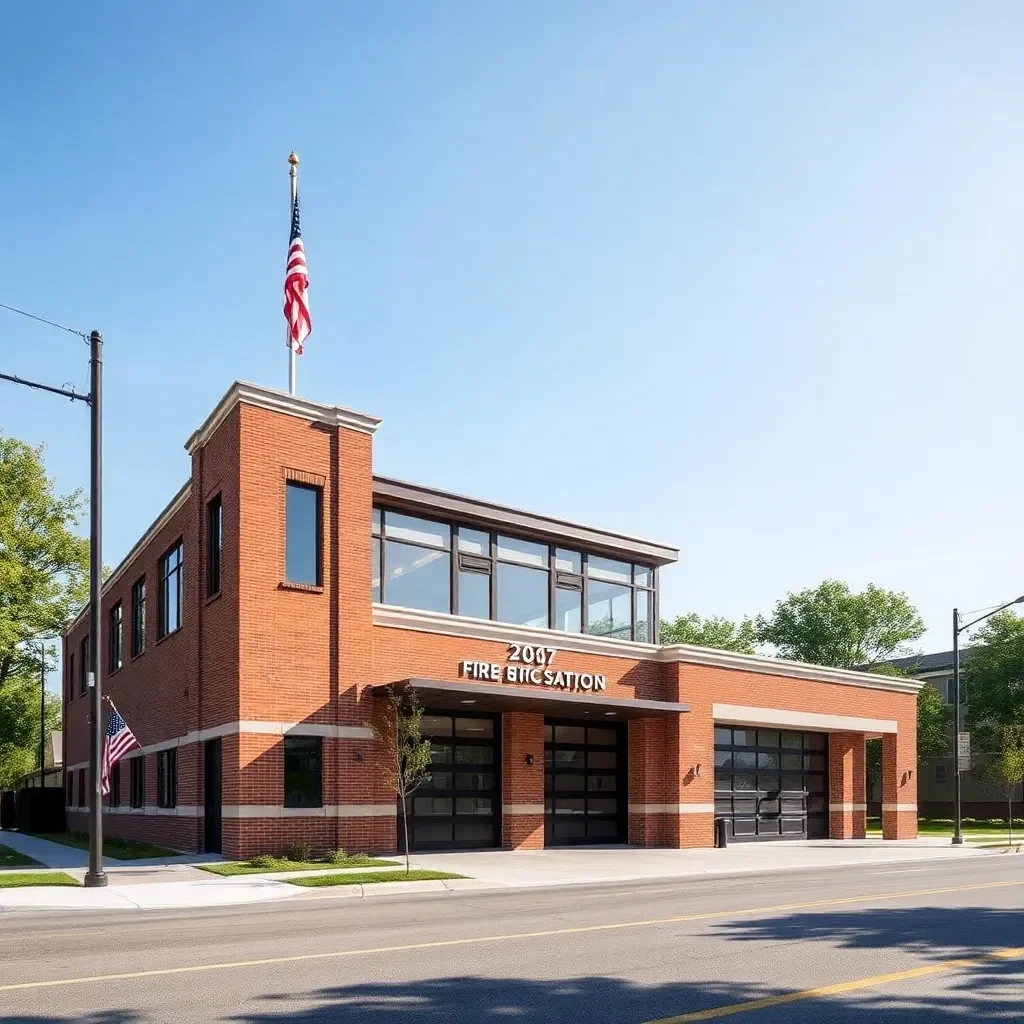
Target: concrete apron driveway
point(176, 884)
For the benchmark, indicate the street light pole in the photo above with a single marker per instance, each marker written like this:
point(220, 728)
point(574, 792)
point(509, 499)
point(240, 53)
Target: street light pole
point(42, 712)
point(957, 630)
point(95, 876)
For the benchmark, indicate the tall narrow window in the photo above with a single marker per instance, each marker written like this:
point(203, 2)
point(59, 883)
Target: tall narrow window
point(83, 665)
point(170, 590)
point(138, 617)
point(115, 786)
point(214, 543)
point(303, 512)
point(302, 771)
point(69, 787)
point(81, 787)
point(167, 778)
point(69, 686)
point(114, 637)
point(138, 779)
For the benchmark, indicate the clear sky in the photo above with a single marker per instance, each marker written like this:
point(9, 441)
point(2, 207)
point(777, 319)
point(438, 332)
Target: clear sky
point(741, 277)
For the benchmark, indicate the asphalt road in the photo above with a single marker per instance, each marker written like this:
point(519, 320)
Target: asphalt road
point(867, 945)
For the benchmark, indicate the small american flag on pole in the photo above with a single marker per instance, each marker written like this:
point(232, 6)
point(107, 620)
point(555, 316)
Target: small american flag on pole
point(296, 285)
point(117, 741)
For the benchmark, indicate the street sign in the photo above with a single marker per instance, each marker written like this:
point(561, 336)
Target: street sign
point(964, 750)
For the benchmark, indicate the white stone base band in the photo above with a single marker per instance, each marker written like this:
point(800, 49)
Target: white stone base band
point(671, 808)
point(522, 809)
point(899, 807)
point(848, 807)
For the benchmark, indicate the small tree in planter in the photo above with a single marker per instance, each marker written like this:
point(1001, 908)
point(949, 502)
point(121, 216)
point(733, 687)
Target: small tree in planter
point(1008, 768)
point(406, 752)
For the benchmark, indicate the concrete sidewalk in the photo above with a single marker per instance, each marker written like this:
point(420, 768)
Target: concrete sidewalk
point(169, 885)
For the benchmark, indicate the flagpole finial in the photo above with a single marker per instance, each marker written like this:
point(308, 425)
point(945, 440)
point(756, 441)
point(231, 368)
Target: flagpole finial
point(293, 158)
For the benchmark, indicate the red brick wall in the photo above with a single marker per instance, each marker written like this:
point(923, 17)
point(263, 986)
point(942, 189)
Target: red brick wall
point(522, 784)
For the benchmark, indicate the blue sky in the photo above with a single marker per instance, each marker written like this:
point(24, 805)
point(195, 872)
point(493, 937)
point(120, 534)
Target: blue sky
point(744, 278)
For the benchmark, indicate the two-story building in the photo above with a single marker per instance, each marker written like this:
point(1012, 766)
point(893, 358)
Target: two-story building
point(247, 635)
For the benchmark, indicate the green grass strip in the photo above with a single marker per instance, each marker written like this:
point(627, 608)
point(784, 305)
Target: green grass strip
point(14, 859)
point(370, 877)
point(282, 864)
point(113, 846)
point(16, 879)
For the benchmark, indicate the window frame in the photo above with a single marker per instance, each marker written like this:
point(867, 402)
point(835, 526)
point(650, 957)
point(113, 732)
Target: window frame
point(114, 796)
point(137, 773)
point(318, 490)
point(139, 620)
point(81, 788)
point(318, 741)
point(214, 544)
point(69, 785)
point(115, 638)
point(83, 668)
point(167, 777)
point(558, 578)
point(165, 574)
point(69, 688)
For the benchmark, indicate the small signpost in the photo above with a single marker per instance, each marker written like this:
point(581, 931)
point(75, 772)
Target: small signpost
point(964, 750)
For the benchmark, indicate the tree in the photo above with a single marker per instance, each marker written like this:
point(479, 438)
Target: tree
point(933, 715)
point(829, 625)
point(715, 632)
point(994, 678)
point(406, 753)
point(44, 566)
point(1007, 768)
point(19, 726)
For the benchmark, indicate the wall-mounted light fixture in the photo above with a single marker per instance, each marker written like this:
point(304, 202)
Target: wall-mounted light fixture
point(358, 755)
point(530, 759)
point(696, 771)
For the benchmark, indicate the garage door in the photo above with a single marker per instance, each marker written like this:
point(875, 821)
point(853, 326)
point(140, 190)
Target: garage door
point(459, 806)
point(771, 784)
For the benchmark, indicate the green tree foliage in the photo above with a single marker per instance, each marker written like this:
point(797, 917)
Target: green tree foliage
point(19, 726)
point(44, 566)
point(406, 752)
point(933, 715)
point(1007, 767)
point(715, 631)
point(994, 678)
point(830, 625)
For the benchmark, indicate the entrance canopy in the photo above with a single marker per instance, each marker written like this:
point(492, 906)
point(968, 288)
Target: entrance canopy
point(443, 693)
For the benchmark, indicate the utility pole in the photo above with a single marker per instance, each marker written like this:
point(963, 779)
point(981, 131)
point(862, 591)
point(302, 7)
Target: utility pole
point(95, 876)
point(957, 833)
point(42, 712)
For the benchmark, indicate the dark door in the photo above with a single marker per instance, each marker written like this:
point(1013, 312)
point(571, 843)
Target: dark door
point(584, 783)
point(459, 806)
point(771, 784)
point(212, 794)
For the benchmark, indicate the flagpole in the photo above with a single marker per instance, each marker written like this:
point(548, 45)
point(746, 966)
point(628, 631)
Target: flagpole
point(293, 173)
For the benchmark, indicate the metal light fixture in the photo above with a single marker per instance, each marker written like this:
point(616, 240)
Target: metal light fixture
point(530, 759)
point(696, 772)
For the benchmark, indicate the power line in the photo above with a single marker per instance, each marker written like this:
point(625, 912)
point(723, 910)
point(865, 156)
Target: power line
point(43, 320)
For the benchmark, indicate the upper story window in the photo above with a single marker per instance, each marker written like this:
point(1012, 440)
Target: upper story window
point(83, 665)
point(138, 617)
point(69, 686)
point(214, 543)
point(171, 567)
point(114, 637)
point(303, 534)
point(436, 566)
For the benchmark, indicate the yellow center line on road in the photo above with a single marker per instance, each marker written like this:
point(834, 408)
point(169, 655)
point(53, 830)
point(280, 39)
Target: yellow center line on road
point(843, 986)
point(338, 954)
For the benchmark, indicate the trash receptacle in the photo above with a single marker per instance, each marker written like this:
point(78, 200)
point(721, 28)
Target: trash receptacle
point(721, 833)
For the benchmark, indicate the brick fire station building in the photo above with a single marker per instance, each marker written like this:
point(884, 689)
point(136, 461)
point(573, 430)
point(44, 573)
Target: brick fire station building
point(248, 634)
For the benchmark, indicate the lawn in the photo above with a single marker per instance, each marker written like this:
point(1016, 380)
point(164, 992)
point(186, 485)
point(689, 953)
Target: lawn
point(974, 831)
point(113, 846)
point(367, 877)
point(14, 879)
point(13, 859)
point(247, 867)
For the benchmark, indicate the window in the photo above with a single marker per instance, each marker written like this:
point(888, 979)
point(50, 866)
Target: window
point(214, 543)
point(69, 686)
point(138, 781)
point(138, 617)
point(170, 590)
point(83, 667)
point(69, 786)
point(940, 773)
point(302, 771)
point(167, 778)
point(422, 563)
point(114, 799)
point(81, 787)
point(114, 632)
point(303, 543)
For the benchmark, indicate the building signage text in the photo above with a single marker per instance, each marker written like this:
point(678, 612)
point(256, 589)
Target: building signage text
point(526, 663)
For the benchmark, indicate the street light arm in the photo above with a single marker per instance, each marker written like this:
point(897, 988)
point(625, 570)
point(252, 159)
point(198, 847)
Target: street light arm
point(988, 615)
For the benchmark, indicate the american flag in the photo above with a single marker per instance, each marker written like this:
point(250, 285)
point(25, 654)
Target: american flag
point(296, 285)
point(117, 742)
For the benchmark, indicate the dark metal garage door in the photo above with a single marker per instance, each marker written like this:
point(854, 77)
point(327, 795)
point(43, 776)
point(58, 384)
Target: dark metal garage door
point(584, 783)
point(771, 784)
point(459, 807)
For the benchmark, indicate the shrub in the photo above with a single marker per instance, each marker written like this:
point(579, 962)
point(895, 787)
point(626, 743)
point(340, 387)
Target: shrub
point(299, 852)
point(338, 856)
point(263, 860)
